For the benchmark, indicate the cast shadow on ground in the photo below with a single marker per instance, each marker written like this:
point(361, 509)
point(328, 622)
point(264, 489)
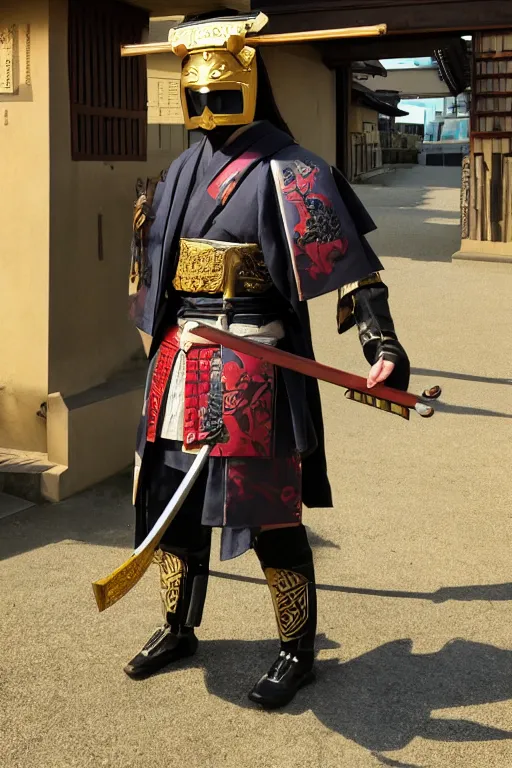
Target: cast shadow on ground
point(318, 542)
point(383, 699)
point(426, 239)
point(412, 222)
point(103, 516)
point(413, 176)
point(468, 410)
point(464, 410)
point(460, 376)
point(484, 592)
point(383, 760)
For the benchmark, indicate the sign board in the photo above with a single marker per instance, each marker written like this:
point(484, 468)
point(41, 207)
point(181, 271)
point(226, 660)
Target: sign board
point(8, 59)
point(164, 101)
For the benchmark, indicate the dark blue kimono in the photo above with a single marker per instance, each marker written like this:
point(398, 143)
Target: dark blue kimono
point(262, 188)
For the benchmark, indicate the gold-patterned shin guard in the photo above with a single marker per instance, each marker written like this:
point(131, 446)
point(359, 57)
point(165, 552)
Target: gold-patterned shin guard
point(290, 597)
point(173, 574)
point(294, 599)
point(292, 587)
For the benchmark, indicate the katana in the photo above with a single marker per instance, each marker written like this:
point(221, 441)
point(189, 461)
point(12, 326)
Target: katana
point(379, 396)
point(112, 588)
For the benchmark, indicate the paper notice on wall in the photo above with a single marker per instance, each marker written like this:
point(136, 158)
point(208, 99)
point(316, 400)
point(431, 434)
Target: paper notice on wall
point(9, 64)
point(164, 100)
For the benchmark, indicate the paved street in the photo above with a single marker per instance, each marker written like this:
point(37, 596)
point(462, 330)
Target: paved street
point(414, 565)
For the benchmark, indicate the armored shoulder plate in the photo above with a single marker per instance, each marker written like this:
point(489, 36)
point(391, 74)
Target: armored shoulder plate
point(142, 218)
point(306, 192)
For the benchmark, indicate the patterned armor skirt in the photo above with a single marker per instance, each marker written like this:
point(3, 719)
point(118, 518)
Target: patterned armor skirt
point(198, 393)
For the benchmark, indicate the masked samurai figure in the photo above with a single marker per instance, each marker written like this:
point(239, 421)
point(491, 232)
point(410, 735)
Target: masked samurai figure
point(244, 229)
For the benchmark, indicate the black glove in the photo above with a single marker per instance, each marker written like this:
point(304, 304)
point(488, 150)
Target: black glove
point(370, 310)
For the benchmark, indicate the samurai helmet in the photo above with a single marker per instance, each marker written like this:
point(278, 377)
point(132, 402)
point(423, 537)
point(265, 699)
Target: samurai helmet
point(219, 79)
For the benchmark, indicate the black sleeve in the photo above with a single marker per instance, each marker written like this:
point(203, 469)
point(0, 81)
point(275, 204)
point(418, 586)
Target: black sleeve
point(368, 307)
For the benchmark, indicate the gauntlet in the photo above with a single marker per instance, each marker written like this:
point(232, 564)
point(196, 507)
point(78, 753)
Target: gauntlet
point(365, 304)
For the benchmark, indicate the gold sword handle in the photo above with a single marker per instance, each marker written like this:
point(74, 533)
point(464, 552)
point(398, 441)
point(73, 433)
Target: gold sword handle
point(378, 402)
point(112, 588)
point(422, 407)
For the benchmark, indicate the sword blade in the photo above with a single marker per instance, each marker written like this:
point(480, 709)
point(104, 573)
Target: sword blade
point(112, 588)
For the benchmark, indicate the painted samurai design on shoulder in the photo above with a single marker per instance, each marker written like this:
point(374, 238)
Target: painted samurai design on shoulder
point(316, 231)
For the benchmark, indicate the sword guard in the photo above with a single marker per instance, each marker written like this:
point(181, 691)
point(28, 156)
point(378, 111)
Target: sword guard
point(424, 409)
point(433, 393)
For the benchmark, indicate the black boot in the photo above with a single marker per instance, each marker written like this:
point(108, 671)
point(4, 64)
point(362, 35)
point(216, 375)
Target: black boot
point(287, 675)
point(163, 648)
point(293, 593)
point(183, 582)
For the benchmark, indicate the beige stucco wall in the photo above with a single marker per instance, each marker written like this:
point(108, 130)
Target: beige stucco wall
point(91, 335)
point(24, 228)
point(63, 312)
point(304, 89)
point(358, 116)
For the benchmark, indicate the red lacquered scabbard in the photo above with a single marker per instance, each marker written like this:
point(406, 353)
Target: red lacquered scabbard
point(316, 370)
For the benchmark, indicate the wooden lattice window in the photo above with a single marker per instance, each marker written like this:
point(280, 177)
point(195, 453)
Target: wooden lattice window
point(108, 94)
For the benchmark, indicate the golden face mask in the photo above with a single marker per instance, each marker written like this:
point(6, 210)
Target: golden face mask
point(217, 88)
point(219, 78)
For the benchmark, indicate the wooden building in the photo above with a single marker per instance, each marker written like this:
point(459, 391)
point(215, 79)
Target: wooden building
point(424, 27)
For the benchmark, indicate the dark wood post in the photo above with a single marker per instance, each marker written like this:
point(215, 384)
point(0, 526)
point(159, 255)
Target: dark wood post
point(343, 99)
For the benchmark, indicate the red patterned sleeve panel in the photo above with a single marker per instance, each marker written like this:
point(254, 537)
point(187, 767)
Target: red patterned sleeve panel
point(324, 245)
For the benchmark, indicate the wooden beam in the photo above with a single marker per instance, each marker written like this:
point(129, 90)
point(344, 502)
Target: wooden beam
point(386, 47)
point(401, 16)
point(166, 8)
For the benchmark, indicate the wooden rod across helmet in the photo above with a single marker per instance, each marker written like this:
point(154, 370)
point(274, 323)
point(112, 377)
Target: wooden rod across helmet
point(142, 49)
point(319, 34)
